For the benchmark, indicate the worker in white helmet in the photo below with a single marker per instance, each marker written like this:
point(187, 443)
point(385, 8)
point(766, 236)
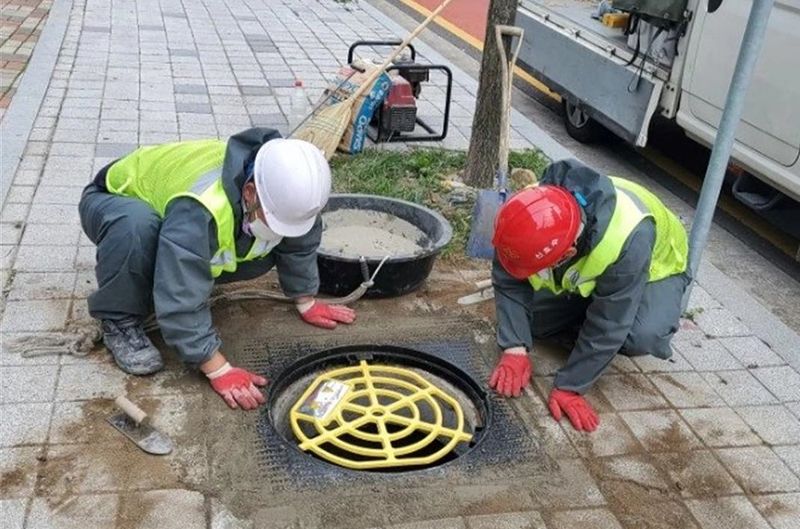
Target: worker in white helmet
point(171, 221)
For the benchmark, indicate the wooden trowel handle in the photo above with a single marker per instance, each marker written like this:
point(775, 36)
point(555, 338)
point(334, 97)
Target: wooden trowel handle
point(131, 410)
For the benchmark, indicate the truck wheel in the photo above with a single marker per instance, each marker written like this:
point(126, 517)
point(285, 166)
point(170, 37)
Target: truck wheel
point(578, 123)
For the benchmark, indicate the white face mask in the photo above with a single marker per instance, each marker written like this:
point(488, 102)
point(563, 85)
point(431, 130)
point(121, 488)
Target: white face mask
point(266, 239)
point(259, 229)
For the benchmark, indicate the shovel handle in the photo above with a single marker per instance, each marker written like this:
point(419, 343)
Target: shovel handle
point(507, 84)
point(130, 409)
point(512, 31)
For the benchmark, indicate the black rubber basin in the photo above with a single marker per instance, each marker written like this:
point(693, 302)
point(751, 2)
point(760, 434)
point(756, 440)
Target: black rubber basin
point(339, 275)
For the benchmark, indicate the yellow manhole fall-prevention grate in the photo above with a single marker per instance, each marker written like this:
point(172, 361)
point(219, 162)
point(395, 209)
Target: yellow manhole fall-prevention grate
point(377, 417)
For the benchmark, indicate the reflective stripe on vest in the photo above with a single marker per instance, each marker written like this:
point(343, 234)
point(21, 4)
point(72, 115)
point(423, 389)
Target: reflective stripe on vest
point(632, 206)
point(159, 174)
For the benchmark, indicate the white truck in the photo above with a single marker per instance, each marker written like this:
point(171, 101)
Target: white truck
point(681, 72)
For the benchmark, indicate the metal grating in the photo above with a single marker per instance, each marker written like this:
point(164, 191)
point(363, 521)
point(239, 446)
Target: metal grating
point(506, 443)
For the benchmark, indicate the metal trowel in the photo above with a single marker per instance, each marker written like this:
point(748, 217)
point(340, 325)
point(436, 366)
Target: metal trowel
point(134, 424)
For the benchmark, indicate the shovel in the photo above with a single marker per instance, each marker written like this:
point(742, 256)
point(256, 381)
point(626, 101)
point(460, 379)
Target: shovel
point(134, 424)
point(489, 201)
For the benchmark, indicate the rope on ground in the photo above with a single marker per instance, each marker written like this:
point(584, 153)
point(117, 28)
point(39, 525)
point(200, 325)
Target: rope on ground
point(76, 341)
point(80, 339)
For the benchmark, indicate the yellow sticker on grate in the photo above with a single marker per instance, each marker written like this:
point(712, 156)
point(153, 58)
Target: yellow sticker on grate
point(377, 416)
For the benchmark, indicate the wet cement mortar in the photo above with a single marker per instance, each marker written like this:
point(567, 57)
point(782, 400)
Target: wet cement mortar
point(372, 234)
point(215, 446)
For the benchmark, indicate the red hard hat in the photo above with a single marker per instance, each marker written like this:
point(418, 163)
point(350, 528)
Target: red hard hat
point(534, 229)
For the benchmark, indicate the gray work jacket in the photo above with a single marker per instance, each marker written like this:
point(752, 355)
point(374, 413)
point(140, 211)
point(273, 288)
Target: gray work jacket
point(613, 304)
point(188, 240)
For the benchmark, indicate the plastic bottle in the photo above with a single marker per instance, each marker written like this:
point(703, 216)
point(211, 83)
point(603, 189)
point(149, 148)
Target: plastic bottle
point(299, 105)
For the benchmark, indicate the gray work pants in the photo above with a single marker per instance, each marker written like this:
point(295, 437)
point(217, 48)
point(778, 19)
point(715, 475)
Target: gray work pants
point(125, 231)
point(656, 320)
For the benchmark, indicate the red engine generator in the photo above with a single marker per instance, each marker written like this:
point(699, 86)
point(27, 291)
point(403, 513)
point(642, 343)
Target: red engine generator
point(397, 119)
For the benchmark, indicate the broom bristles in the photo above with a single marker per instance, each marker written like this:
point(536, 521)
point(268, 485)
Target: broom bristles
point(326, 128)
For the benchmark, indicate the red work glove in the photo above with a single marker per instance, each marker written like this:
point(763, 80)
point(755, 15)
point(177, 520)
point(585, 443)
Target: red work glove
point(578, 411)
point(238, 386)
point(326, 316)
point(512, 374)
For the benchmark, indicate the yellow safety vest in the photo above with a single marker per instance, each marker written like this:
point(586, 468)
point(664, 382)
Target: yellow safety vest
point(161, 173)
point(634, 203)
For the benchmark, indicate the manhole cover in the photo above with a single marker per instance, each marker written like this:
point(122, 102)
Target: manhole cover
point(378, 408)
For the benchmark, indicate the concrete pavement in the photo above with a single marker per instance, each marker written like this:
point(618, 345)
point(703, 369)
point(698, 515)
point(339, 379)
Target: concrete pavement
point(709, 439)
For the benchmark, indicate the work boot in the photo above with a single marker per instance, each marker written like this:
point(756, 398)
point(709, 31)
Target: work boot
point(131, 348)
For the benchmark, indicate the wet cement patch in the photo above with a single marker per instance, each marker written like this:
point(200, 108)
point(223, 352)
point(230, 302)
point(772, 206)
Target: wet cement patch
point(261, 482)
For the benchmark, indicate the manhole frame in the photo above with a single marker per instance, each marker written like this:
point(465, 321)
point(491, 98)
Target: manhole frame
point(391, 354)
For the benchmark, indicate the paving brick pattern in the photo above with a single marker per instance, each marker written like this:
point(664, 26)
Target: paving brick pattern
point(707, 440)
point(21, 23)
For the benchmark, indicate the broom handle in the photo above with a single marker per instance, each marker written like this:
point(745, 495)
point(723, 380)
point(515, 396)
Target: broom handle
point(367, 84)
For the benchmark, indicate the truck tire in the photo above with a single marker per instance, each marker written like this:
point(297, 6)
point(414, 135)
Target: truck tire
point(579, 125)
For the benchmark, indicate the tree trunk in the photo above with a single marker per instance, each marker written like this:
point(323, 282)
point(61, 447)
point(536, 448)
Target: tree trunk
point(482, 157)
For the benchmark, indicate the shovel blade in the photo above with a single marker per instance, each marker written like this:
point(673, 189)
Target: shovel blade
point(487, 204)
point(143, 435)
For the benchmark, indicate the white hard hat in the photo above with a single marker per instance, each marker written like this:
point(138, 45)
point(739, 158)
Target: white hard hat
point(293, 181)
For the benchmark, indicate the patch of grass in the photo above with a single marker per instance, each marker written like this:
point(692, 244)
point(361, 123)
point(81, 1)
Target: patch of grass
point(528, 159)
point(420, 176)
point(415, 176)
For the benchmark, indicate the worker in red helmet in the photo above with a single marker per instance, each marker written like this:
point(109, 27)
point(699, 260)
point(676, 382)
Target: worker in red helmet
point(586, 252)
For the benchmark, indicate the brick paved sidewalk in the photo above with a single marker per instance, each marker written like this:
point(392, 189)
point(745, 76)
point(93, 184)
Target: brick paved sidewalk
point(21, 24)
point(710, 440)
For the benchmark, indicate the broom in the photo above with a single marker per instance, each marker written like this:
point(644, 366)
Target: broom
point(326, 128)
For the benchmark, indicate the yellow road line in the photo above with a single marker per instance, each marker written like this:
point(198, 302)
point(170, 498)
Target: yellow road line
point(537, 84)
point(478, 45)
point(449, 26)
point(743, 214)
